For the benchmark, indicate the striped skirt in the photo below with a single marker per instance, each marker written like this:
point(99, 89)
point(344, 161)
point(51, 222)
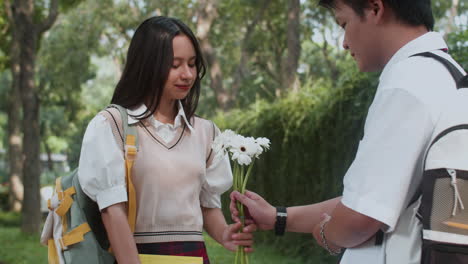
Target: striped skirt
point(184, 248)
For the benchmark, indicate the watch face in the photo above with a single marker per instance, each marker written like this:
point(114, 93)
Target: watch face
point(282, 214)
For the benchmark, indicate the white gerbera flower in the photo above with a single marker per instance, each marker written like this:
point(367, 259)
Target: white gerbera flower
point(242, 147)
point(228, 133)
point(241, 158)
point(264, 142)
point(222, 141)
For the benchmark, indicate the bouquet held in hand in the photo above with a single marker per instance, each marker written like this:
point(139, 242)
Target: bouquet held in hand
point(243, 151)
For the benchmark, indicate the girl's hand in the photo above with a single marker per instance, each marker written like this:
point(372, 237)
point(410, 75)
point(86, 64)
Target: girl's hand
point(232, 239)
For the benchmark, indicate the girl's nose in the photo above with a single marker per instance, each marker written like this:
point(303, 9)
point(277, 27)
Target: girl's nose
point(187, 72)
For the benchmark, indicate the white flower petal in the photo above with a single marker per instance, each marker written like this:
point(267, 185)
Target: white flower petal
point(264, 142)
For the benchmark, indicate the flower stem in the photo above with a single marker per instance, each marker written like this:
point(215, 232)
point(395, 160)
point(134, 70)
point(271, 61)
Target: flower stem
point(247, 175)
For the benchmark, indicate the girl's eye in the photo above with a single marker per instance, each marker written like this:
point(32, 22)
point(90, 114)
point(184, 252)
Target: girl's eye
point(343, 25)
point(175, 66)
point(191, 65)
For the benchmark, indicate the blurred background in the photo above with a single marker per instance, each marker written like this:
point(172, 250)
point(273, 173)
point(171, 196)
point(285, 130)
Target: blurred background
point(276, 69)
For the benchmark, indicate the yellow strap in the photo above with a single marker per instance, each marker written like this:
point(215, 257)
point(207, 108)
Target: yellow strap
point(64, 223)
point(65, 201)
point(52, 254)
point(130, 154)
point(58, 185)
point(75, 236)
point(58, 190)
point(70, 191)
point(130, 140)
point(64, 206)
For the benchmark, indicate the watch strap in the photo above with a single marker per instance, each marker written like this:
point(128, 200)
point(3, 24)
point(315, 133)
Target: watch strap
point(281, 217)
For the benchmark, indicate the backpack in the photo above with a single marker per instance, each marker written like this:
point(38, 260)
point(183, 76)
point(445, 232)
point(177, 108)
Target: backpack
point(443, 209)
point(74, 232)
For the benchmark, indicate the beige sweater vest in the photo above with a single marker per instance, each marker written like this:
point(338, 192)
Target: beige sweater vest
point(168, 178)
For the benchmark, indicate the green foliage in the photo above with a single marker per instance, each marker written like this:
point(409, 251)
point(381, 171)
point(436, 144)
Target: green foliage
point(5, 84)
point(3, 193)
point(9, 219)
point(458, 45)
point(5, 37)
point(314, 136)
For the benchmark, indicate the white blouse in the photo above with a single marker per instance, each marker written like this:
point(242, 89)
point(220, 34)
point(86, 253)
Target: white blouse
point(101, 155)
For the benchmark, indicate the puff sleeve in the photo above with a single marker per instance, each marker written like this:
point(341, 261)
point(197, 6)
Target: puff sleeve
point(101, 170)
point(218, 179)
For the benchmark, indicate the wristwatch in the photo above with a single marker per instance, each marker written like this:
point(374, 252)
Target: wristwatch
point(281, 217)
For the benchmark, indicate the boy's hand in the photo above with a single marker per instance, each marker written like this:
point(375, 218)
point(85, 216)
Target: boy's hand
point(257, 209)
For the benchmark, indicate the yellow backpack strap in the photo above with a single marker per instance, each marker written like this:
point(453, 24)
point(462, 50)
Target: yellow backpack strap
point(131, 148)
point(52, 254)
point(58, 190)
point(74, 236)
point(130, 155)
point(65, 201)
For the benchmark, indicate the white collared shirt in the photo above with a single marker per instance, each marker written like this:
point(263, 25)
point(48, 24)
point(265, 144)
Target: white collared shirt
point(388, 165)
point(166, 131)
point(100, 155)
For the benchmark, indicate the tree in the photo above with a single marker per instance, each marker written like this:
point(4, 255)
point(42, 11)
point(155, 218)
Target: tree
point(26, 32)
point(13, 110)
point(207, 13)
point(291, 62)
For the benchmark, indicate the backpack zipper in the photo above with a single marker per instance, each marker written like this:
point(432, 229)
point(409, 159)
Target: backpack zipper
point(456, 193)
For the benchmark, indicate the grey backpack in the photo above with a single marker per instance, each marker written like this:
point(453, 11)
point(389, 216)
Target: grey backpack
point(74, 232)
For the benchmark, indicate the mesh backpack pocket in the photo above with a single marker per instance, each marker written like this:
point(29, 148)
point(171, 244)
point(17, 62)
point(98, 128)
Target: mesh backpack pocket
point(444, 216)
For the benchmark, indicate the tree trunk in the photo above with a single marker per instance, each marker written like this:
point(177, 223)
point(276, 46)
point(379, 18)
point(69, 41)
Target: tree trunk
point(28, 32)
point(15, 155)
point(451, 19)
point(240, 72)
point(29, 97)
point(290, 79)
point(50, 162)
point(206, 14)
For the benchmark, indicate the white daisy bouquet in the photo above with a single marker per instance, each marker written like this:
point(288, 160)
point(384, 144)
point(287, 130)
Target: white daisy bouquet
point(243, 151)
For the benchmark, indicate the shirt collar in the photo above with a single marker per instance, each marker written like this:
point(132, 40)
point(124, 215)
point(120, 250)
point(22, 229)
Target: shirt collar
point(138, 111)
point(430, 41)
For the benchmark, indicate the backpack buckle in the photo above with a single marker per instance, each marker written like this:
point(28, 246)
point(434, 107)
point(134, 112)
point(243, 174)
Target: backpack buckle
point(130, 152)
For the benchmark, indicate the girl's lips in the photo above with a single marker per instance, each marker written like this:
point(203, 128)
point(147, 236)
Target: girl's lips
point(183, 87)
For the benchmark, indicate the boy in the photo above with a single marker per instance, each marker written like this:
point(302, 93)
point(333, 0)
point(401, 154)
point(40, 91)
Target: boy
point(381, 35)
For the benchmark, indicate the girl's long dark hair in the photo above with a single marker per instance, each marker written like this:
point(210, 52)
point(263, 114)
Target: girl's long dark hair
point(149, 61)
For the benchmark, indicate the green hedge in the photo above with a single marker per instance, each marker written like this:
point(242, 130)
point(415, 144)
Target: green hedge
point(314, 135)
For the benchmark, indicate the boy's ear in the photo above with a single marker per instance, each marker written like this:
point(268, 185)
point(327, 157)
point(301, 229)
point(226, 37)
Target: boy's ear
point(376, 8)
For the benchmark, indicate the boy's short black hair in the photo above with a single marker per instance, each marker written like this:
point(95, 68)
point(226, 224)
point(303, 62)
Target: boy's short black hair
point(412, 12)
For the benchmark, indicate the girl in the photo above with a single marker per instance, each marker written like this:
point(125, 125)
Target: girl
point(178, 181)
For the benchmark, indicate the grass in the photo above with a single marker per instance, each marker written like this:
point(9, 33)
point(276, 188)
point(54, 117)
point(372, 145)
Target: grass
point(18, 248)
point(263, 255)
